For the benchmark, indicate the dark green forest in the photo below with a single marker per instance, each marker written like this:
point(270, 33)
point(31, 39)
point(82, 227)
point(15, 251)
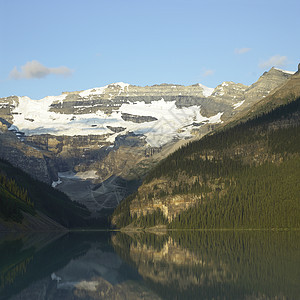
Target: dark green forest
point(19, 192)
point(246, 176)
point(13, 200)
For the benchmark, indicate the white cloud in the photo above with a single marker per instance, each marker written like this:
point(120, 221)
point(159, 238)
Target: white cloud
point(34, 69)
point(274, 61)
point(208, 73)
point(241, 50)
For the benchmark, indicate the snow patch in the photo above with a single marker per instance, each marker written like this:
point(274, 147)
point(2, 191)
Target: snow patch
point(216, 118)
point(13, 128)
point(101, 90)
point(94, 91)
point(284, 71)
point(219, 94)
point(67, 286)
point(56, 183)
point(236, 105)
point(4, 105)
point(84, 285)
point(167, 127)
point(55, 277)
point(170, 120)
point(87, 285)
point(206, 90)
point(91, 174)
point(122, 85)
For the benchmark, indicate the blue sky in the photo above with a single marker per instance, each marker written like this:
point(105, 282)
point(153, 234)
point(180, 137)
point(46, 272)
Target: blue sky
point(52, 46)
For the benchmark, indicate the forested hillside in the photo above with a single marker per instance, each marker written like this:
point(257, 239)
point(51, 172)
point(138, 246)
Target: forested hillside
point(13, 200)
point(245, 176)
point(20, 193)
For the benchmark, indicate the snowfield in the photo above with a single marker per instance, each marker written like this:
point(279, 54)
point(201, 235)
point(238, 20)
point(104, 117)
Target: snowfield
point(33, 118)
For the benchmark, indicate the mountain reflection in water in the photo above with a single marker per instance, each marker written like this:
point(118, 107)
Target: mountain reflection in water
point(175, 265)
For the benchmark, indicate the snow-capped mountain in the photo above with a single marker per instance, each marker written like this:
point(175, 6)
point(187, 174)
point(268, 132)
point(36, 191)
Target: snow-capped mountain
point(118, 129)
point(161, 113)
point(158, 113)
point(158, 120)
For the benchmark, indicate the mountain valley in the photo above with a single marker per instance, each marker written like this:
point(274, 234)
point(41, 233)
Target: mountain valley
point(97, 145)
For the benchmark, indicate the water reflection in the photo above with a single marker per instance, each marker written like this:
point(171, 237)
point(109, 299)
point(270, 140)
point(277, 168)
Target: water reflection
point(73, 266)
point(176, 265)
point(216, 265)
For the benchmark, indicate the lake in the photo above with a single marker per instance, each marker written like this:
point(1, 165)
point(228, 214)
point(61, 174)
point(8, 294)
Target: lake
point(176, 265)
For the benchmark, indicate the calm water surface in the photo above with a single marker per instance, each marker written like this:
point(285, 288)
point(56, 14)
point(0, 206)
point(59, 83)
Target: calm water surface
point(177, 265)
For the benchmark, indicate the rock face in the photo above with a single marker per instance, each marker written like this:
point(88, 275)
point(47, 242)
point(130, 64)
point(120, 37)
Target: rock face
point(115, 132)
point(7, 105)
point(137, 119)
point(25, 157)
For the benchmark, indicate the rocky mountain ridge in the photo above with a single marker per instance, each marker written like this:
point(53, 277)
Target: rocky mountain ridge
point(97, 138)
point(94, 108)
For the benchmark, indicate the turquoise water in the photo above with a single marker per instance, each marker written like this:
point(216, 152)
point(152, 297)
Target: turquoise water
point(177, 265)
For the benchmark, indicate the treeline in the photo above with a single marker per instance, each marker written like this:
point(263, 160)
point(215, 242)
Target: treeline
point(149, 220)
point(246, 176)
point(13, 200)
point(266, 196)
point(254, 130)
point(123, 212)
point(12, 187)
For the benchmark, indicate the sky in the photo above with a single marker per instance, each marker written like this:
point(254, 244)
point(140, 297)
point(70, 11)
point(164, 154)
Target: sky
point(47, 47)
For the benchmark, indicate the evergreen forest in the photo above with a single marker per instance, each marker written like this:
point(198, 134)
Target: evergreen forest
point(242, 176)
point(20, 193)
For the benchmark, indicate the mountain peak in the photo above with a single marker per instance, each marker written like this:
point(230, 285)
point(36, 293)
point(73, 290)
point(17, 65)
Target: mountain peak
point(101, 90)
point(284, 71)
point(276, 73)
point(206, 90)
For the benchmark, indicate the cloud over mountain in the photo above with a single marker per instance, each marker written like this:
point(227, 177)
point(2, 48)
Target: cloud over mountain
point(208, 73)
point(274, 61)
point(34, 69)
